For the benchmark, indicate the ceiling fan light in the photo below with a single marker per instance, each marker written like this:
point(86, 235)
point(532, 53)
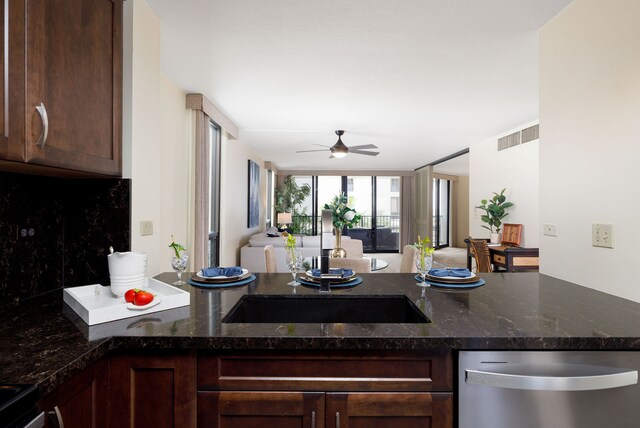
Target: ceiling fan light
point(339, 152)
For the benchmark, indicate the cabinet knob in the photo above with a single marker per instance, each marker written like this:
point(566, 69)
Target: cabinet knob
point(313, 419)
point(42, 140)
point(337, 419)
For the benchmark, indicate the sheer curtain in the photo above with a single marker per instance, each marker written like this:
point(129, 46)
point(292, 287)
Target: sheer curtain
point(202, 191)
point(205, 113)
point(407, 229)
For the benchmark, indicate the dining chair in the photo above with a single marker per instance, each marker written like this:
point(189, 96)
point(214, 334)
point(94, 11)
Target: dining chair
point(408, 261)
point(353, 247)
point(360, 265)
point(270, 258)
point(481, 254)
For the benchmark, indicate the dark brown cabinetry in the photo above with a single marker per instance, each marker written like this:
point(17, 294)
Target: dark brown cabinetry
point(151, 390)
point(61, 92)
point(235, 409)
point(334, 390)
point(250, 390)
point(81, 401)
point(260, 409)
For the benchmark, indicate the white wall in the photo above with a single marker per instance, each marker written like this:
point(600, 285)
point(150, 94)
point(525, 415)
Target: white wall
point(234, 232)
point(515, 169)
point(590, 142)
point(461, 211)
point(156, 142)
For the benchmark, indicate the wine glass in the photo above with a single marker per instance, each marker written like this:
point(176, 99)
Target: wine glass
point(424, 262)
point(179, 264)
point(294, 263)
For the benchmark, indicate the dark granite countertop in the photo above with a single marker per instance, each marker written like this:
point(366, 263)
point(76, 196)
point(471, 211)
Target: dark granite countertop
point(44, 341)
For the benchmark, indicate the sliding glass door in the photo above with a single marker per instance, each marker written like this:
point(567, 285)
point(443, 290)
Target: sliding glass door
point(441, 217)
point(377, 200)
point(387, 218)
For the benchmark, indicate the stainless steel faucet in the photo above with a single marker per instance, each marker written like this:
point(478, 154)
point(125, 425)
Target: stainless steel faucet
point(326, 238)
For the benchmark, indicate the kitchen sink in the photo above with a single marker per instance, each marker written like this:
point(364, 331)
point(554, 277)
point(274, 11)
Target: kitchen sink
point(325, 309)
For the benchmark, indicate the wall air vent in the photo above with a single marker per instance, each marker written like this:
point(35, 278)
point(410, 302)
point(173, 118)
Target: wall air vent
point(531, 133)
point(509, 141)
point(524, 136)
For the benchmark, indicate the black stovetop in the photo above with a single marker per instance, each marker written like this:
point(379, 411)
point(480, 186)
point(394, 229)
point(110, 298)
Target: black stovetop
point(17, 404)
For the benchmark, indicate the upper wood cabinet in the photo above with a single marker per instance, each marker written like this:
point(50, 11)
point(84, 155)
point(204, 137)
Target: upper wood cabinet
point(63, 104)
point(12, 81)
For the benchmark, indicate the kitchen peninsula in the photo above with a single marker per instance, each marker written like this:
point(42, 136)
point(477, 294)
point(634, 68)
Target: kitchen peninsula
point(46, 343)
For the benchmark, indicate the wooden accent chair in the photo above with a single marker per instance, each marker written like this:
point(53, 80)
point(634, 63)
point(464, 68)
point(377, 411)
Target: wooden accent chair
point(360, 265)
point(270, 258)
point(408, 262)
point(481, 253)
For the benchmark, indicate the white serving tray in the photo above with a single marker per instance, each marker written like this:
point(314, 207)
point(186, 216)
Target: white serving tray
point(97, 304)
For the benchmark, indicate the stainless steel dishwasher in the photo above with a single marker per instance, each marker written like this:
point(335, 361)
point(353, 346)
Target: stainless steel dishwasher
point(548, 389)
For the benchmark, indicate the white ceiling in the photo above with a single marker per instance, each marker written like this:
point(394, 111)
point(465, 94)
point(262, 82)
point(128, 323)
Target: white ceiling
point(456, 166)
point(420, 79)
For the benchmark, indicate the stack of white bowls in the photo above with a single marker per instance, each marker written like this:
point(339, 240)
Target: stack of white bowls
point(127, 271)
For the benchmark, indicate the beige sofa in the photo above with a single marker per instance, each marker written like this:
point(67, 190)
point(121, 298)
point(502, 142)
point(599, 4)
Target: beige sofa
point(252, 254)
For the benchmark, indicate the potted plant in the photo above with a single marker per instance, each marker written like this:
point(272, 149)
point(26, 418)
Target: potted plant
point(289, 198)
point(343, 216)
point(495, 210)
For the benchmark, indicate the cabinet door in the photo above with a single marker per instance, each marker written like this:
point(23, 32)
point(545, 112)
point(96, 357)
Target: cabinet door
point(260, 409)
point(152, 391)
point(389, 410)
point(4, 74)
point(81, 401)
point(12, 81)
point(74, 74)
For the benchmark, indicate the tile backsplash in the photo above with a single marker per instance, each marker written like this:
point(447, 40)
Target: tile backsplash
point(56, 232)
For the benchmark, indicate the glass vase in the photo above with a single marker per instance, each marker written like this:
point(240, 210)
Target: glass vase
point(179, 264)
point(424, 262)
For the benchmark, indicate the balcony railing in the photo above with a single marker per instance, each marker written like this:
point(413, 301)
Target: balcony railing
point(303, 224)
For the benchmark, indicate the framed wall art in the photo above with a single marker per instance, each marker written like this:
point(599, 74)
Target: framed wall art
point(254, 195)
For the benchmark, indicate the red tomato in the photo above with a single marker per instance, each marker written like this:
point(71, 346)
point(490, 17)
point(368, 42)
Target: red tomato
point(130, 294)
point(142, 298)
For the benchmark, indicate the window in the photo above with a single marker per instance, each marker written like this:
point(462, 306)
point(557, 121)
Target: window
point(373, 197)
point(270, 197)
point(395, 184)
point(394, 205)
point(350, 185)
point(214, 201)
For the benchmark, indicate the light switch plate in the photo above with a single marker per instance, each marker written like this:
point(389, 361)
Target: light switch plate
point(602, 235)
point(146, 228)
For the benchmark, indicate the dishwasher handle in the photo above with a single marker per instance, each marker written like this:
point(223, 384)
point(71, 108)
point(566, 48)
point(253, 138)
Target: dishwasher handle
point(553, 377)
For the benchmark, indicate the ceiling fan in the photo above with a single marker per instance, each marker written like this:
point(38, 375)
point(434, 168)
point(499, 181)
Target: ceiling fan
point(340, 150)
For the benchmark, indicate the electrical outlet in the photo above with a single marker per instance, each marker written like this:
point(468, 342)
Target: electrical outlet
point(25, 232)
point(550, 230)
point(146, 228)
point(602, 235)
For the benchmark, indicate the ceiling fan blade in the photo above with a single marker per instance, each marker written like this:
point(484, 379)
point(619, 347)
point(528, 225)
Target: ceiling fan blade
point(364, 146)
point(359, 152)
point(306, 151)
